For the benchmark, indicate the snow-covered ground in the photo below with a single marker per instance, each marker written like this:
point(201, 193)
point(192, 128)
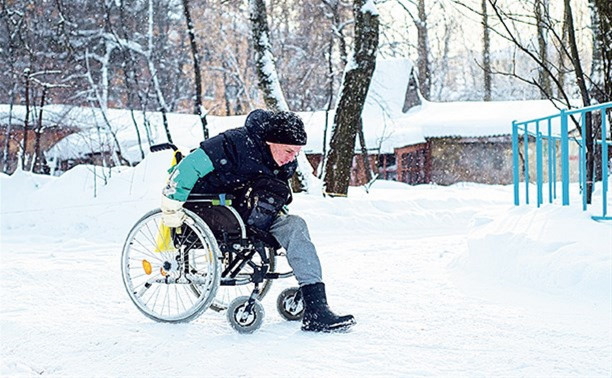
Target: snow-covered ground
point(442, 280)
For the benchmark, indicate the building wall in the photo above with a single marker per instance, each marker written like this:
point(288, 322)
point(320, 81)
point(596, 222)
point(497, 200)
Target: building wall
point(358, 175)
point(482, 160)
point(489, 160)
point(49, 137)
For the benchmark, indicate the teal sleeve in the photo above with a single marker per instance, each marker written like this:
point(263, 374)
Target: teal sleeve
point(193, 167)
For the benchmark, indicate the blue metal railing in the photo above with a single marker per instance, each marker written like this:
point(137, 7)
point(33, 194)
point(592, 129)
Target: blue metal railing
point(532, 128)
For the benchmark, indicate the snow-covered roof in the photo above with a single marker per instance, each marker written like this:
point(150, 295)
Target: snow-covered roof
point(385, 125)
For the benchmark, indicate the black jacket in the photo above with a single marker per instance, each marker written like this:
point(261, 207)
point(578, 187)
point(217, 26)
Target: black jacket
point(240, 156)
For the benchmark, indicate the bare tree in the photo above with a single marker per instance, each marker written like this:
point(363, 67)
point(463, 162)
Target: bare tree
point(26, 121)
point(269, 82)
point(486, 51)
point(571, 51)
point(541, 12)
point(198, 107)
point(423, 64)
point(357, 77)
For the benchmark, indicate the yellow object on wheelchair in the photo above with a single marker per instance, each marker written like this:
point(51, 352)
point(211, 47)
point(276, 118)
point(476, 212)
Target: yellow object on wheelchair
point(163, 241)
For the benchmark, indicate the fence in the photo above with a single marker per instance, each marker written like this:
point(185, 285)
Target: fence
point(553, 130)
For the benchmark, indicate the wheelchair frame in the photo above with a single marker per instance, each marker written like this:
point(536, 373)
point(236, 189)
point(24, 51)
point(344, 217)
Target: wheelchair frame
point(239, 250)
point(230, 246)
point(236, 248)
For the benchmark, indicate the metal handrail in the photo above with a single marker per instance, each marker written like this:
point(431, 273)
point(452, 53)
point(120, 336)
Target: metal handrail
point(564, 138)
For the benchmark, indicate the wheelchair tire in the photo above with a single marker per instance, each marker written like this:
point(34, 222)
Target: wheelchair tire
point(241, 322)
point(290, 304)
point(160, 264)
point(226, 294)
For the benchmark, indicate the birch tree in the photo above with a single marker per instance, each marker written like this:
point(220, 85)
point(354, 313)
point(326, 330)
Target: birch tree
point(269, 82)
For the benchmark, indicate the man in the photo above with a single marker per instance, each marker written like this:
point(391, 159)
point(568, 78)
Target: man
point(266, 147)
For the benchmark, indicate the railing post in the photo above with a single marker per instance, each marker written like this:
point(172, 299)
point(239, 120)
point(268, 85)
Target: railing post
point(515, 160)
point(564, 159)
point(582, 171)
point(554, 148)
point(604, 162)
point(550, 160)
point(539, 163)
point(526, 149)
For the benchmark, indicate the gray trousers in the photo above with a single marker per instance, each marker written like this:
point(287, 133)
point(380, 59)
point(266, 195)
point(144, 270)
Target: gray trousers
point(292, 234)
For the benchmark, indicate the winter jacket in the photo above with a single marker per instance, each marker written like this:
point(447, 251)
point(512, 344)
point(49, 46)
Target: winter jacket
point(228, 162)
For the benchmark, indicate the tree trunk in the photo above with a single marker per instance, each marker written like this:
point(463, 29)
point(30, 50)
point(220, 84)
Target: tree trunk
point(586, 101)
point(604, 11)
point(364, 152)
point(357, 77)
point(541, 14)
point(330, 99)
point(600, 80)
point(24, 153)
point(37, 155)
point(7, 141)
point(486, 52)
point(423, 47)
point(562, 56)
point(269, 82)
point(198, 107)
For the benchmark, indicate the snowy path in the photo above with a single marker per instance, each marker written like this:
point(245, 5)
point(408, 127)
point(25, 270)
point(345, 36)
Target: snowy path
point(65, 312)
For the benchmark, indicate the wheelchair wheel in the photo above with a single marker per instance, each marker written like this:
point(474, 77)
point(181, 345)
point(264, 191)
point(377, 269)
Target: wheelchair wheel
point(160, 265)
point(243, 321)
point(290, 304)
point(226, 294)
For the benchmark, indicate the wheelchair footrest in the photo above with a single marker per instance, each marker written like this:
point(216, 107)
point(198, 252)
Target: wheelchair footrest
point(235, 281)
point(278, 275)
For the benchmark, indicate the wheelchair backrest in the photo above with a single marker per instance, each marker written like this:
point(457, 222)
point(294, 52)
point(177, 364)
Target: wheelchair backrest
point(223, 220)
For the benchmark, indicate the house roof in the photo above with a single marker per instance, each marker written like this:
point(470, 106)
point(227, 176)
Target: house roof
point(385, 125)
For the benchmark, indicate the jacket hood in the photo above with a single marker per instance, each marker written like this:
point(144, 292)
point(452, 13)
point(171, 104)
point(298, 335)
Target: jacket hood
point(258, 123)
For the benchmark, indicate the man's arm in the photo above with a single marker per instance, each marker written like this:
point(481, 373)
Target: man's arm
point(193, 167)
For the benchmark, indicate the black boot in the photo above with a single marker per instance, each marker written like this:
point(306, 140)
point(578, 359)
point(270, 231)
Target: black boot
point(317, 315)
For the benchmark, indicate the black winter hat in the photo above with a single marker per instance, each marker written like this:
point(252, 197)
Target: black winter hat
point(285, 128)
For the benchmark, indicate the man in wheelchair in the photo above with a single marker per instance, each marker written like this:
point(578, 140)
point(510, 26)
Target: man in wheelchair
point(256, 161)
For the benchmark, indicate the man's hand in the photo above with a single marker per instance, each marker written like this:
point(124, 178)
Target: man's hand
point(172, 212)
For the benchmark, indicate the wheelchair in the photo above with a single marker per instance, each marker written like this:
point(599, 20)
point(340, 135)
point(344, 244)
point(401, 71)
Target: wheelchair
point(212, 261)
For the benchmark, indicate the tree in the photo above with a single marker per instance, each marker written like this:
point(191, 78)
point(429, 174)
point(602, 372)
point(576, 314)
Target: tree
point(423, 63)
point(541, 14)
point(569, 48)
point(198, 107)
point(269, 82)
point(357, 77)
point(486, 52)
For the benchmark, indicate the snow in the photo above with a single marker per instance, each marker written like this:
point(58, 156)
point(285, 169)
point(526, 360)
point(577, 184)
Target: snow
point(385, 125)
point(369, 7)
point(442, 280)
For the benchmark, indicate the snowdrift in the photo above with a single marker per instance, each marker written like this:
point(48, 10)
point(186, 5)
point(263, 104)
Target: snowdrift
point(559, 250)
point(555, 249)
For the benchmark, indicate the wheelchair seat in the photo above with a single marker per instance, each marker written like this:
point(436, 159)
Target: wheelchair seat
point(225, 222)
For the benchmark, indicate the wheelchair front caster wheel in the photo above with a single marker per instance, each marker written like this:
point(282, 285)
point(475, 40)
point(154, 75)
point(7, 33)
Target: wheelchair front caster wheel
point(242, 320)
point(290, 304)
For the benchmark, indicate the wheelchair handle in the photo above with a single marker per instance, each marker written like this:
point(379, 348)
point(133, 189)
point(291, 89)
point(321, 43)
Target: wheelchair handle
point(163, 146)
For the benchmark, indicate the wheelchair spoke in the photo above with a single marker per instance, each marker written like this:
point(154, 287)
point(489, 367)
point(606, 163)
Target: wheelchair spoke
point(170, 276)
point(147, 252)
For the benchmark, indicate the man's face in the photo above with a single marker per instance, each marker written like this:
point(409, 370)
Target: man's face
point(283, 153)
